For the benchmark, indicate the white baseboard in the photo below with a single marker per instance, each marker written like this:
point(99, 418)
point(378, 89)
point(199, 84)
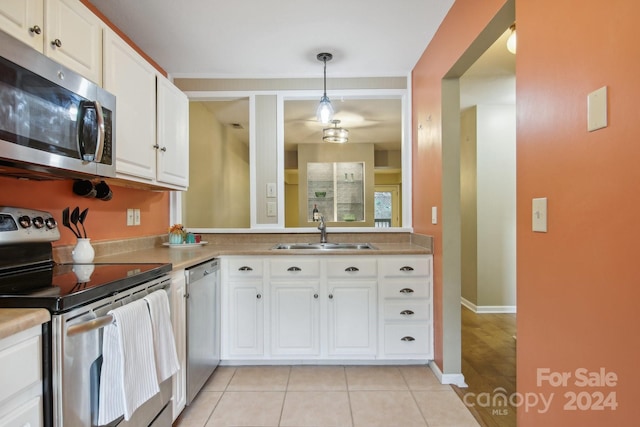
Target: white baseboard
point(456, 379)
point(482, 309)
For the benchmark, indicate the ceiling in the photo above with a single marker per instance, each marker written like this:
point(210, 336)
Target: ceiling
point(280, 39)
point(269, 39)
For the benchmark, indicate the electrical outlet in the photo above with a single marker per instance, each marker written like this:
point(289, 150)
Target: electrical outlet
point(136, 217)
point(129, 217)
point(271, 208)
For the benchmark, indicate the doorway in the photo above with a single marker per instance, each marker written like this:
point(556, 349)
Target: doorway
point(451, 192)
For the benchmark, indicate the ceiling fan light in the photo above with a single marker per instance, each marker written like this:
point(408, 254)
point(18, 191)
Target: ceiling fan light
point(335, 134)
point(324, 113)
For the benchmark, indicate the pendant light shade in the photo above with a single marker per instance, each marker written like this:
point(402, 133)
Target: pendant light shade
point(335, 134)
point(324, 113)
point(511, 41)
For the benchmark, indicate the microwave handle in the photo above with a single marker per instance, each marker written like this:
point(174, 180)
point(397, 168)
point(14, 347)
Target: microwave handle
point(97, 156)
point(100, 137)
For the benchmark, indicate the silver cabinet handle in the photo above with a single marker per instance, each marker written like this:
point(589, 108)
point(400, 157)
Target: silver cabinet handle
point(330, 296)
point(315, 296)
point(406, 268)
point(407, 339)
point(163, 149)
point(56, 43)
point(294, 268)
point(351, 269)
point(245, 268)
point(406, 291)
point(36, 29)
point(407, 313)
point(259, 296)
point(186, 295)
point(156, 146)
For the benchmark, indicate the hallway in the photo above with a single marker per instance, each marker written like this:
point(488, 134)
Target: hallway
point(489, 366)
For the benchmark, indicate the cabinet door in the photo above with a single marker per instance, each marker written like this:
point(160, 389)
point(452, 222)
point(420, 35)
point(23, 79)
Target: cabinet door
point(178, 313)
point(173, 135)
point(73, 37)
point(246, 319)
point(24, 20)
point(132, 80)
point(295, 315)
point(352, 318)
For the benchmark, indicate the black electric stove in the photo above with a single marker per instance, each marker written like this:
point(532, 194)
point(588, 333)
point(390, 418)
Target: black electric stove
point(29, 278)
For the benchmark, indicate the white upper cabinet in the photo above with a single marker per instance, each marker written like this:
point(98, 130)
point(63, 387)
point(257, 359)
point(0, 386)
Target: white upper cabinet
point(132, 80)
point(24, 20)
point(73, 37)
point(172, 151)
point(64, 30)
point(152, 128)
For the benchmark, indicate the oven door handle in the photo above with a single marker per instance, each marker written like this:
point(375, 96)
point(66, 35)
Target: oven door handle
point(93, 324)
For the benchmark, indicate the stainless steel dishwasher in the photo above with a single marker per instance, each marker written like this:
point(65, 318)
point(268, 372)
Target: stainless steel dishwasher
point(203, 324)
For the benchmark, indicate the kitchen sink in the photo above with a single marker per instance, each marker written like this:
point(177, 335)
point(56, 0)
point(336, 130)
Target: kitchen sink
point(324, 246)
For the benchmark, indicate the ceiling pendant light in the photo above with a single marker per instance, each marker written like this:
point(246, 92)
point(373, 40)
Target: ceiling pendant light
point(335, 134)
point(511, 41)
point(324, 113)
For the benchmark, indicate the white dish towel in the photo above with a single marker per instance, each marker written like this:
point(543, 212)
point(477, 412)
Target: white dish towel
point(128, 377)
point(164, 343)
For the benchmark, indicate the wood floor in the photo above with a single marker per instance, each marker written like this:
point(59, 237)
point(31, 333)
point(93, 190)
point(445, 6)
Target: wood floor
point(489, 366)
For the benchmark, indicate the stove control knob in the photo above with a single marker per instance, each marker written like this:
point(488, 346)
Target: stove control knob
point(25, 221)
point(38, 222)
point(50, 223)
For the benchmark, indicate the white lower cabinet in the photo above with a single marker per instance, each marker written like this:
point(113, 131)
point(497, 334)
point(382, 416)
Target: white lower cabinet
point(179, 318)
point(242, 329)
point(307, 307)
point(352, 318)
point(406, 320)
point(21, 373)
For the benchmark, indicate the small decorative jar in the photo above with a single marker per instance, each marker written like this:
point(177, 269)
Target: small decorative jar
point(83, 252)
point(176, 238)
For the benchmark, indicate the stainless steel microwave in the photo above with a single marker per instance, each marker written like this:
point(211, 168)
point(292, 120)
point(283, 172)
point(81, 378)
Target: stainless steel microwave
point(53, 121)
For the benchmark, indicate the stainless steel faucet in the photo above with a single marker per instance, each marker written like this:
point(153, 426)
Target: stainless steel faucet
point(323, 230)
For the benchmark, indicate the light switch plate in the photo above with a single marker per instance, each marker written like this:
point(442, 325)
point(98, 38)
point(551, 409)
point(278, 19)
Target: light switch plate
point(129, 217)
point(597, 109)
point(271, 189)
point(136, 217)
point(434, 215)
point(539, 215)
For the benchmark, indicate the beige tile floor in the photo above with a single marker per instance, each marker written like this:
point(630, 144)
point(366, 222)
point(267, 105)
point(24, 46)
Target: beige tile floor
point(325, 396)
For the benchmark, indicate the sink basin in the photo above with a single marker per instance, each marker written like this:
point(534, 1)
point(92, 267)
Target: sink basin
point(324, 246)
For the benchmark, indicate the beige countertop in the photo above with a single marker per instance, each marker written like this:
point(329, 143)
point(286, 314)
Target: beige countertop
point(192, 255)
point(14, 320)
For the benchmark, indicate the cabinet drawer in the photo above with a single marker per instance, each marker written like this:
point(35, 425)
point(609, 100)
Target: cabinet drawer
point(405, 266)
point(20, 366)
point(295, 267)
point(353, 267)
point(406, 311)
point(245, 267)
point(407, 339)
point(28, 414)
point(409, 289)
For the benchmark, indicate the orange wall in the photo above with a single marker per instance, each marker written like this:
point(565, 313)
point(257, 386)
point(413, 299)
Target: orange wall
point(105, 220)
point(577, 284)
point(463, 23)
